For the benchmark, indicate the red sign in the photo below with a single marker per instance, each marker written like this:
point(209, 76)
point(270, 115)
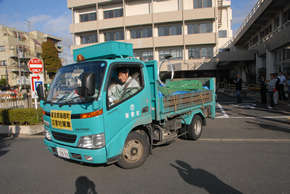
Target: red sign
point(35, 65)
point(33, 78)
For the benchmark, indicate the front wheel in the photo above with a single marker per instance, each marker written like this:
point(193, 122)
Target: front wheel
point(136, 150)
point(195, 128)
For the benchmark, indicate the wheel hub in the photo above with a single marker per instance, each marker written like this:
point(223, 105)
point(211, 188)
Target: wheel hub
point(133, 151)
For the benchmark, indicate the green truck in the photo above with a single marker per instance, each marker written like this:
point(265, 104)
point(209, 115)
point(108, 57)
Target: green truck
point(112, 107)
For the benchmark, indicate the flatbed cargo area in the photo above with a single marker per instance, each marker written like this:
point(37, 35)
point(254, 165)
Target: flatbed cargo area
point(182, 101)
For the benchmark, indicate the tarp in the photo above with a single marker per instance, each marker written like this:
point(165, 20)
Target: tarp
point(180, 86)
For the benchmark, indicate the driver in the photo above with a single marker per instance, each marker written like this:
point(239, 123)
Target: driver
point(128, 86)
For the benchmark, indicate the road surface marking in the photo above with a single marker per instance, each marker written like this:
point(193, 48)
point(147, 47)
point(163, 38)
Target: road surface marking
point(225, 115)
point(255, 117)
point(244, 140)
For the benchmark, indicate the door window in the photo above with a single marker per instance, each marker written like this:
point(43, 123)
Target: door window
point(125, 81)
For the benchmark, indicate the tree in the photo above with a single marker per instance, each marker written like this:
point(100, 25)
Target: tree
point(50, 57)
point(3, 82)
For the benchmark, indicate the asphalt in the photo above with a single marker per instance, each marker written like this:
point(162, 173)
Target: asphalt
point(244, 152)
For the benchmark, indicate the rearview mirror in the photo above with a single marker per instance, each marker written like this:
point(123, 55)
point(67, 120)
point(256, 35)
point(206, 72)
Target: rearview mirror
point(88, 84)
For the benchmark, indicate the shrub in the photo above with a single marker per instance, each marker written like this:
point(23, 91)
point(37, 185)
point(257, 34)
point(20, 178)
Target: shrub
point(4, 116)
point(21, 116)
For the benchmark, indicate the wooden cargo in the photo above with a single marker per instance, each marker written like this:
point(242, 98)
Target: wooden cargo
point(182, 101)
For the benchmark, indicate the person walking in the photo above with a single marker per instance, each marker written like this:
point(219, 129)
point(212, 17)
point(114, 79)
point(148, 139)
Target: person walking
point(281, 85)
point(271, 89)
point(263, 90)
point(238, 83)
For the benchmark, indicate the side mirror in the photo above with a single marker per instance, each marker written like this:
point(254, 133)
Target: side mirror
point(40, 92)
point(88, 85)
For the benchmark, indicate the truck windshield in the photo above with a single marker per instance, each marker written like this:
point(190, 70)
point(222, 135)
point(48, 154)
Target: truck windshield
point(66, 84)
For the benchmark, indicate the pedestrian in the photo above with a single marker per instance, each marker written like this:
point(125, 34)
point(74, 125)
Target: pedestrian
point(238, 83)
point(271, 89)
point(276, 93)
point(281, 85)
point(263, 90)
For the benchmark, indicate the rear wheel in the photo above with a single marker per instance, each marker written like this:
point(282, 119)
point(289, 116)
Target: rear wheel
point(136, 150)
point(195, 128)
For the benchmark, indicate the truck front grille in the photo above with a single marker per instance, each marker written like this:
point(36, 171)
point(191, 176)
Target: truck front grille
point(64, 137)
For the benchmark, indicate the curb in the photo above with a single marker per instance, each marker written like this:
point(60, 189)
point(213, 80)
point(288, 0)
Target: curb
point(21, 130)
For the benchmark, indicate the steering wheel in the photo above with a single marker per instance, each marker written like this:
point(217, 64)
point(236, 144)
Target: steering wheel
point(127, 90)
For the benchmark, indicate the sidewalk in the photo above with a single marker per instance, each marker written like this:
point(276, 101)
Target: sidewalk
point(223, 97)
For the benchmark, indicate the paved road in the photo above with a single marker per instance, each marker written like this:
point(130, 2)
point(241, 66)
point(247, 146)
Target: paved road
point(246, 152)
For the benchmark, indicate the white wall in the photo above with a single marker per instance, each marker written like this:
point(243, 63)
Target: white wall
point(137, 7)
point(165, 6)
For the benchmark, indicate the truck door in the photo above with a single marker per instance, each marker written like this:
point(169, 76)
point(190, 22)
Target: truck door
point(127, 102)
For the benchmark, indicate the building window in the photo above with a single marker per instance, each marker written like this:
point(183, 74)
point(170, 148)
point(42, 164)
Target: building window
point(202, 3)
point(2, 48)
point(200, 52)
point(169, 30)
point(176, 53)
point(88, 17)
point(222, 34)
point(199, 28)
point(114, 35)
point(113, 13)
point(2, 63)
point(286, 54)
point(277, 22)
point(286, 17)
point(141, 32)
point(89, 38)
point(144, 54)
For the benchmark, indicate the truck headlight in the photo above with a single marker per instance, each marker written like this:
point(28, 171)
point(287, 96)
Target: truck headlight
point(47, 134)
point(92, 141)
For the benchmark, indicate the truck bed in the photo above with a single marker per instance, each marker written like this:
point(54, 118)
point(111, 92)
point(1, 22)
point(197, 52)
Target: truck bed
point(182, 101)
point(168, 106)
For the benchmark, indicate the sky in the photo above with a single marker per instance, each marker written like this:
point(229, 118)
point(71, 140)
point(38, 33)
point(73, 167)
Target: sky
point(53, 17)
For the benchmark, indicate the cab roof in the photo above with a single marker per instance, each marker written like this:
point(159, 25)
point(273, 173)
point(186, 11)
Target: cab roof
point(106, 50)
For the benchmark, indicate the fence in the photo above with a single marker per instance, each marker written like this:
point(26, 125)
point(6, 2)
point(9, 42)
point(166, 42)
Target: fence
point(10, 99)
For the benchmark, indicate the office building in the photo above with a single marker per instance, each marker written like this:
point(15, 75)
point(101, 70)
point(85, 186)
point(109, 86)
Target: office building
point(192, 31)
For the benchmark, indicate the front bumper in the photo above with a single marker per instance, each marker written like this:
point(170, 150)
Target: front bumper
point(98, 155)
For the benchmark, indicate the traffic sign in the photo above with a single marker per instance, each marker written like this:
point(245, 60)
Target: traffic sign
point(35, 65)
point(35, 80)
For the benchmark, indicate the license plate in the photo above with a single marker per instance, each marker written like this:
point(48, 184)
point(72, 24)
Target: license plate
point(61, 152)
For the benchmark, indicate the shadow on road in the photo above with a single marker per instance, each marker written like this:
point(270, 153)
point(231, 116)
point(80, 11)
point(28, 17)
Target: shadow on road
point(4, 143)
point(270, 127)
point(267, 119)
point(203, 179)
point(85, 186)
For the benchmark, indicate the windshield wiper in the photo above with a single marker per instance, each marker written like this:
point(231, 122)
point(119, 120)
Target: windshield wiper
point(69, 101)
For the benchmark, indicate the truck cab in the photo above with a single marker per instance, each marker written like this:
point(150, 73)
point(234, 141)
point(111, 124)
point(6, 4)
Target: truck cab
point(107, 108)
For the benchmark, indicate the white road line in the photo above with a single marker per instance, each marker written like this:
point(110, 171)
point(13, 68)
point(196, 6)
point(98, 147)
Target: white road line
point(225, 115)
point(244, 140)
point(256, 117)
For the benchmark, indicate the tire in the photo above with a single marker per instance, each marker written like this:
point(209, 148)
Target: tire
point(135, 151)
point(194, 130)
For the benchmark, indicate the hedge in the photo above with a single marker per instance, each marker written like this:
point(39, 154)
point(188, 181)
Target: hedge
point(20, 116)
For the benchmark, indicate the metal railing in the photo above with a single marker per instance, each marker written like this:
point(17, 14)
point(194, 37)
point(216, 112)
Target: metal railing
point(12, 100)
point(245, 22)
